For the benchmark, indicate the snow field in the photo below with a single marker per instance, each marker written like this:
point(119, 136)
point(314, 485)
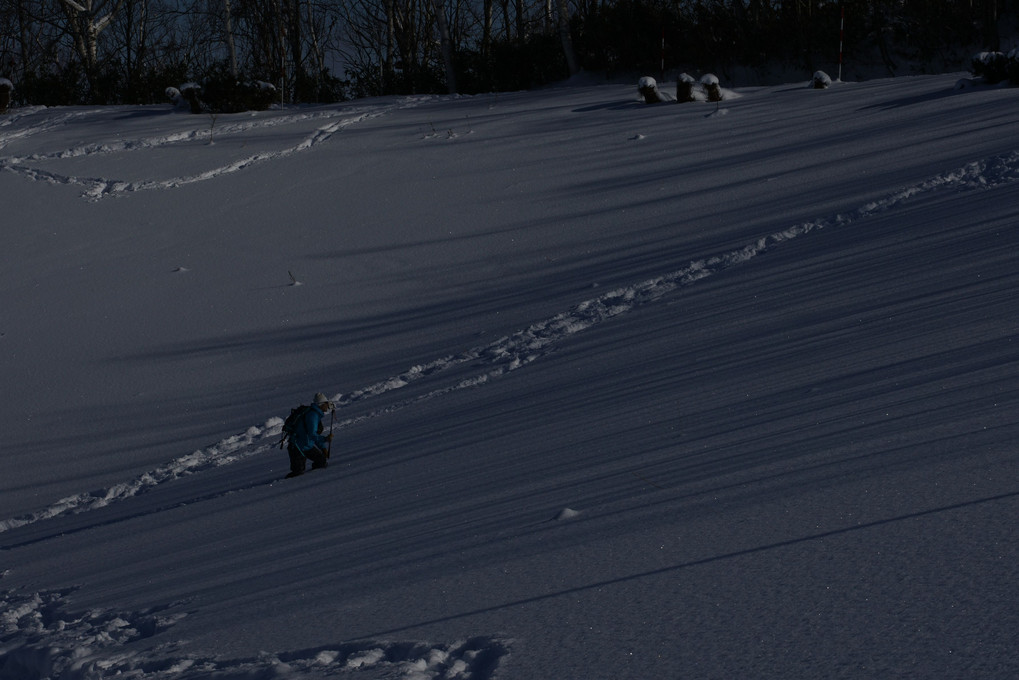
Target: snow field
point(779, 444)
point(518, 350)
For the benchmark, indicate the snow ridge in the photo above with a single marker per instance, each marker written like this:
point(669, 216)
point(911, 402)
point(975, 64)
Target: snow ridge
point(512, 352)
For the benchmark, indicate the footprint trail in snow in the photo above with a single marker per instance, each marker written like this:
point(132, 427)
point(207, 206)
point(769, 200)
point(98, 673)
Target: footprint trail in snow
point(97, 188)
point(42, 637)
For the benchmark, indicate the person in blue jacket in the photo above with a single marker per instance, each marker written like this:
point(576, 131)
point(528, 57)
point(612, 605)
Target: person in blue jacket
point(307, 442)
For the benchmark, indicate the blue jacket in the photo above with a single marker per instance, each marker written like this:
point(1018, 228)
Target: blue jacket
point(306, 434)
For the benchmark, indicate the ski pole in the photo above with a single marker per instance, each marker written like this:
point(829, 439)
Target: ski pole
point(842, 33)
point(332, 417)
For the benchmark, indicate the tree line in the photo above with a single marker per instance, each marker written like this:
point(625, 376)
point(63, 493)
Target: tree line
point(129, 51)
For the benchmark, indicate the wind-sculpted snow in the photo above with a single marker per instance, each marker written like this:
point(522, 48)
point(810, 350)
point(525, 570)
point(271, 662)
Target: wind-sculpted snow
point(481, 364)
point(40, 637)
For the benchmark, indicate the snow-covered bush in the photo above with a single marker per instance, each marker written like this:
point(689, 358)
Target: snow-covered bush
point(821, 81)
point(648, 88)
point(175, 97)
point(191, 93)
point(684, 88)
point(991, 66)
point(6, 87)
point(995, 67)
point(710, 83)
point(225, 94)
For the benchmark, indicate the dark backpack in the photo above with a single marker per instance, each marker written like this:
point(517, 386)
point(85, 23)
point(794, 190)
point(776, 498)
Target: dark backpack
point(291, 423)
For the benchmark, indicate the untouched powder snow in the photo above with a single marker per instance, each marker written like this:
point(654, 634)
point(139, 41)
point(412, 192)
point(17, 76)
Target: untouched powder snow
point(624, 391)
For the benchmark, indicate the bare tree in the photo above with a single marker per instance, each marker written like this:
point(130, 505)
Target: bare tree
point(86, 20)
point(412, 34)
point(15, 31)
point(132, 44)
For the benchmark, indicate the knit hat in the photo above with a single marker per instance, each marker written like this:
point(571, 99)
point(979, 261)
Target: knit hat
point(321, 399)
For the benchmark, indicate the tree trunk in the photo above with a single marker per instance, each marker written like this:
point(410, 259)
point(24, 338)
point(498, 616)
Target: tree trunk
point(486, 30)
point(23, 29)
point(506, 23)
point(230, 48)
point(316, 52)
point(294, 33)
point(567, 39)
point(390, 68)
point(521, 33)
point(446, 45)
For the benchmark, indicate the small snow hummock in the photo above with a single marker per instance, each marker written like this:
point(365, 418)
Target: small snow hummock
point(820, 81)
point(6, 84)
point(566, 514)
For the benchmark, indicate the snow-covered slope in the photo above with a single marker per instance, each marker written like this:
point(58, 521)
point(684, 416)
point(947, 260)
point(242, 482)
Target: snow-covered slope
point(626, 391)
